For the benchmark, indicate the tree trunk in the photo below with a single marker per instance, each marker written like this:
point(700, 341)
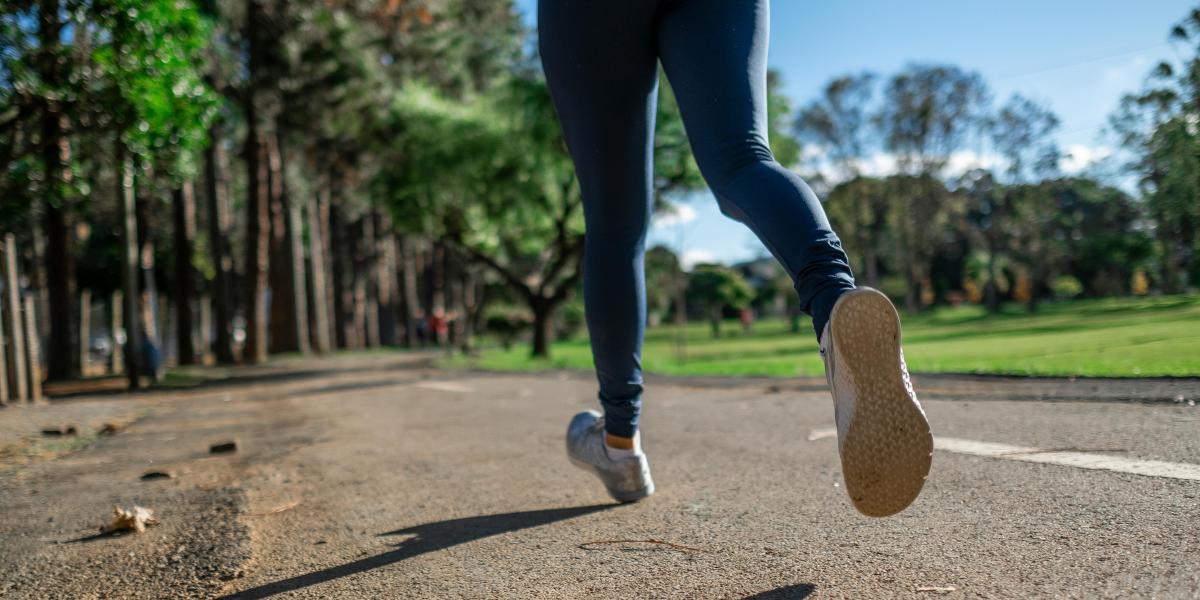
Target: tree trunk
point(185, 235)
point(152, 334)
point(342, 296)
point(543, 326)
point(317, 251)
point(471, 303)
point(258, 233)
point(912, 292)
point(358, 288)
point(372, 284)
point(993, 298)
point(257, 246)
point(1170, 272)
point(872, 265)
point(385, 276)
point(129, 270)
point(714, 320)
point(218, 242)
point(56, 157)
point(288, 324)
point(323, 207)
point(60, 271)
point(409, 280)
point(13, 327)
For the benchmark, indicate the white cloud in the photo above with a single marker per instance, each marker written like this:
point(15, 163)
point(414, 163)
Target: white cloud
point(691, 258)
point(1079, 157)
point(883, 164)
point(678, 214)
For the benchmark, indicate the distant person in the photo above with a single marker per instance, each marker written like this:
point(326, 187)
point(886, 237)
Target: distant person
point(601, 62)
point(421, 326)
point(439, 327)
point(746, 316)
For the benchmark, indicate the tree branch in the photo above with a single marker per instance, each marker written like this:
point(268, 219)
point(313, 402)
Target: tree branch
point(509, 277)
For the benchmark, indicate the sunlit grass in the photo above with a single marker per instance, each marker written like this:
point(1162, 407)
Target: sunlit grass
point(1122, 337)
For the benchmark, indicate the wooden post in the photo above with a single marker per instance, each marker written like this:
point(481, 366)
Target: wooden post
point(13, 328)
point(33, 359)
point(3, 362)
point(206, 328)
point(85, 329)
point(116, 330)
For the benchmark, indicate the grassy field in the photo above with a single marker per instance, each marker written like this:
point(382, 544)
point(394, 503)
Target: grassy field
point(1109, 337)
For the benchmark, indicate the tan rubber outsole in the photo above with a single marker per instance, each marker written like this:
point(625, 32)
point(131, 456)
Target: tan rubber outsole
point(888, 448)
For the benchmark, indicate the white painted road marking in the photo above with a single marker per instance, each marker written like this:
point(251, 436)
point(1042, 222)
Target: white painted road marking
point(1079, 460)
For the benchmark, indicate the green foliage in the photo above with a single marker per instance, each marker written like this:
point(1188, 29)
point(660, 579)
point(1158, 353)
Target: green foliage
point(1066, 287)
point(491, 174)
point(928, 113)
point(152, 84)
point(716, 287)
point(838, 122)
point(675, 169)
point(571, 320)
point(664, 279)
point(507, 323)
point(1158, 125)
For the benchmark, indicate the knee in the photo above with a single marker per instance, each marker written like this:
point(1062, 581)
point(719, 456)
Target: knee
point(727, 162)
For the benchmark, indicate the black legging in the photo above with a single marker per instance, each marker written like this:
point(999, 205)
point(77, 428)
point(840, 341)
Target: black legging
point(601, 62)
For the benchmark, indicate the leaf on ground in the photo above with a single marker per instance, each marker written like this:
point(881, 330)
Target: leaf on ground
point(135, 519)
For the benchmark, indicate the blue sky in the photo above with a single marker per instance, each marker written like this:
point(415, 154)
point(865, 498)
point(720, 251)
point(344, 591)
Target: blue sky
point(1076, 56)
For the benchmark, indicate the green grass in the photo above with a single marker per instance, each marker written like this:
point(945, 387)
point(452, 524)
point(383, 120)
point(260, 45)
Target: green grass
point(1122, 337)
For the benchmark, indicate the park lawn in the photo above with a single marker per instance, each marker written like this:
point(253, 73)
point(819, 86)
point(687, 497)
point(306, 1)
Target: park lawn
point(1122, 337)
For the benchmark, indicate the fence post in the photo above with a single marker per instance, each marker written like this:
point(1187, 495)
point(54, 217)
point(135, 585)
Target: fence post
point(12, 322)
point(85, 330)
point(34, 360)
point(3, 363)
point(116, 329)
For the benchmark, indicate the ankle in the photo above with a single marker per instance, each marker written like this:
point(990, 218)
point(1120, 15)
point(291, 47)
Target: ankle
point(618, 442)
point(621, 448)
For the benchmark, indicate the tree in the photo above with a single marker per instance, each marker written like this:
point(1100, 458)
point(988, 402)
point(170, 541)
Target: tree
point(928, 113)
point(858, 208)
point(665, 280)
point(839, 122)
point(493, 179)
point(1020, 132)
point(1158, 126)
point(716, 287)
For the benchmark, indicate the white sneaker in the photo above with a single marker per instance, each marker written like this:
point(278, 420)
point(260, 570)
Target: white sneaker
point(627, 479)
point(883, 436)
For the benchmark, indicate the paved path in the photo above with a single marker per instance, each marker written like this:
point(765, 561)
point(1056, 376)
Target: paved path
point(376, 478)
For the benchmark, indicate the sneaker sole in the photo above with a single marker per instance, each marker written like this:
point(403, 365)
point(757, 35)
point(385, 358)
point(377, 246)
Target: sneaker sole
point(619, 497)
point(888, 448)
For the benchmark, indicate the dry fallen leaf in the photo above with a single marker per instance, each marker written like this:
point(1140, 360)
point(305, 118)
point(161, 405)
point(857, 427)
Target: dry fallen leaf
point(136, 519)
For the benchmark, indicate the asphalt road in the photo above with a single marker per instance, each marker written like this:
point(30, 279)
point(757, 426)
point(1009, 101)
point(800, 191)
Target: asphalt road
point(379, 478)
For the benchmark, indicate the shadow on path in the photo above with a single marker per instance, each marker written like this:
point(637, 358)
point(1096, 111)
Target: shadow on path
point(430, 537)
point(790, 592)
